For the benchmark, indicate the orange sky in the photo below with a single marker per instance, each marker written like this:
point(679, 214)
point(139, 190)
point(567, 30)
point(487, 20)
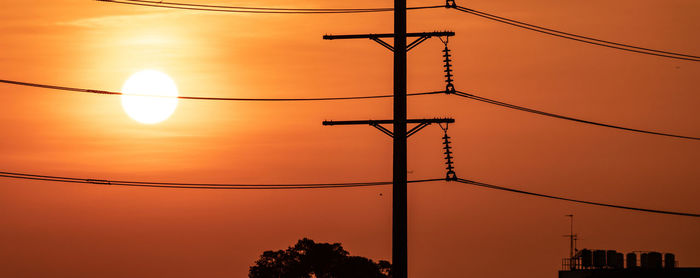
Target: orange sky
point(64, 230)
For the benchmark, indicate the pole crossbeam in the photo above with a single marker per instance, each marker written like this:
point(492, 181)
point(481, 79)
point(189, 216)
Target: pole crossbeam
point(421, 37)
point(409, 121)
point(390, 35)
point(422, 123)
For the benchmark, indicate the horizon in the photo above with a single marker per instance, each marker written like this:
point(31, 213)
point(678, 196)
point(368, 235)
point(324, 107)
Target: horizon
point(99, 227)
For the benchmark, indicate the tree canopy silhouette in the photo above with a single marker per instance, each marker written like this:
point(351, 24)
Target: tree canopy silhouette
point(322, 260)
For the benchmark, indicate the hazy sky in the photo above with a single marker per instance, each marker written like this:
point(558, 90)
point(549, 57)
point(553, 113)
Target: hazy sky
point(67, 230)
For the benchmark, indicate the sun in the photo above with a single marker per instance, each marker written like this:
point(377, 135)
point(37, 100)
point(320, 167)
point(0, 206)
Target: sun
point(149, 96)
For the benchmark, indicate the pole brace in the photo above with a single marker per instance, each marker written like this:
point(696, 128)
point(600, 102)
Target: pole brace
point(382, 43)
point(382, 129)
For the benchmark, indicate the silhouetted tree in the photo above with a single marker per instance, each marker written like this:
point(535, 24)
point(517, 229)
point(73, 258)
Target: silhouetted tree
point(322, 260)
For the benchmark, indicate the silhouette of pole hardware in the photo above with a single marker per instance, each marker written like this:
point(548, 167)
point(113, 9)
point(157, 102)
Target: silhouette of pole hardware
point(400, 134)
point(450, 175)
point(421, 37)
point(449, 87)
point(421, 123)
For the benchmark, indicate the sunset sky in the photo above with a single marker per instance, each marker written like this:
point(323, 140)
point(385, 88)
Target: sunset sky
point(52, 229)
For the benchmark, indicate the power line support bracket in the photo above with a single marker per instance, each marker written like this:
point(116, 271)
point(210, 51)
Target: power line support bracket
point(383, 43)
point(382, 129)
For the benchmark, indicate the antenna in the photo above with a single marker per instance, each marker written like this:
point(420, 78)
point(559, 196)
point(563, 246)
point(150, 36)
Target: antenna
point(572, 244)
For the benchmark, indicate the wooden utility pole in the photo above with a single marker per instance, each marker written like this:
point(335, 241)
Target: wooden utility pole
point(400, 132)
point(399, 251)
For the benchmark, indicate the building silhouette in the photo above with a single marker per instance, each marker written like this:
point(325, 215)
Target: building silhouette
point(588, 263)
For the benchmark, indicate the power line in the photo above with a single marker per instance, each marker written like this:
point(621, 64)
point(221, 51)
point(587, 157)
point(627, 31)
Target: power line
point(257, 10)
point(516, 23)
point(251, 8)
point(525, 109)
point(491, 186)
point(457, 93)
point(579, 38)
point(102, 92)
point(180, 185)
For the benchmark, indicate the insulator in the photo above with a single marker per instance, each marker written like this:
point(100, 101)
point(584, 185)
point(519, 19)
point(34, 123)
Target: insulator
point(450, 4)
point(450, 175)
point(449, 88)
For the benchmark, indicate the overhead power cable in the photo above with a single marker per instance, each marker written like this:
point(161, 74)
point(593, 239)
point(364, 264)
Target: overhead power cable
point(102, 92)
point(180, 185)
point(251, 8)
point(491, 186)
point(516, 23)
point(525, 109)
point(258, 10)
point(457, 93)
point(579, 38)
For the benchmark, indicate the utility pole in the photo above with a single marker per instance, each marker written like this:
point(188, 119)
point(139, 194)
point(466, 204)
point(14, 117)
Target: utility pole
point(400, 131)
point(399, 252)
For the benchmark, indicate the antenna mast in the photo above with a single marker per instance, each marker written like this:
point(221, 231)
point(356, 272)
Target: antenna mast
point(572, 244)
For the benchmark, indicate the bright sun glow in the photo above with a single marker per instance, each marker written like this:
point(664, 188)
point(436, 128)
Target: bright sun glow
point(137, 102)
